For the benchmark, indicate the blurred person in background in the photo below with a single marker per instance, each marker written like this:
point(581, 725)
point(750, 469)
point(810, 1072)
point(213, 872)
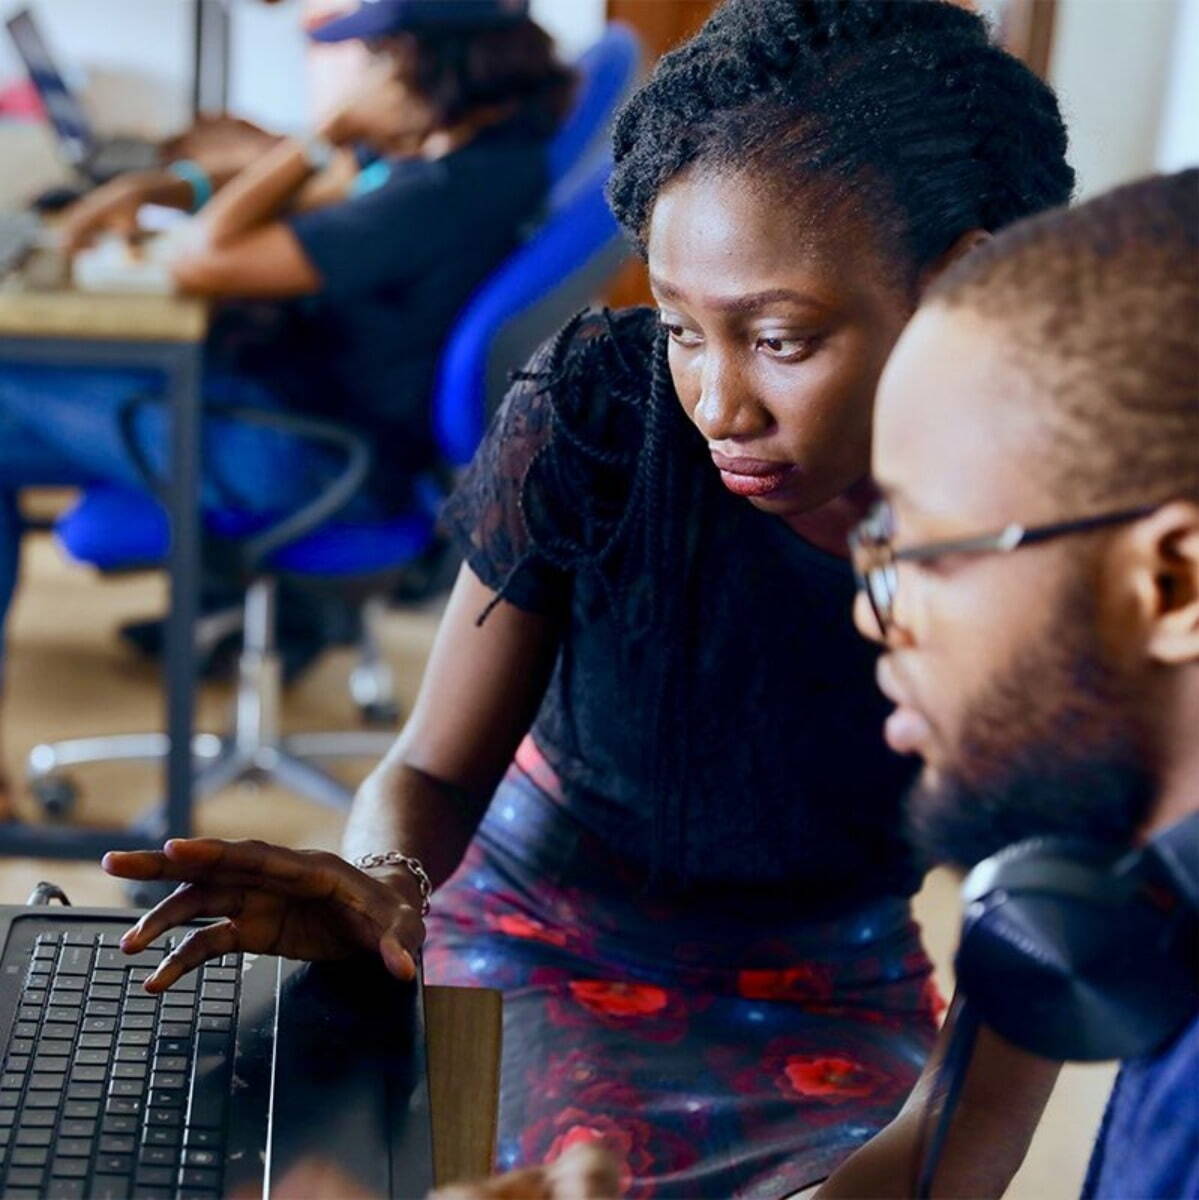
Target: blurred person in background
point(696, 901)
point(362, 271)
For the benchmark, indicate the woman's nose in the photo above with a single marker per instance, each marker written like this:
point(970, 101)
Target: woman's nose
point(727, 408)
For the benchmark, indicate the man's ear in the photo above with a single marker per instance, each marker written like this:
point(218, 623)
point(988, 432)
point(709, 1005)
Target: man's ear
point(961, 246)
point(1164, 560)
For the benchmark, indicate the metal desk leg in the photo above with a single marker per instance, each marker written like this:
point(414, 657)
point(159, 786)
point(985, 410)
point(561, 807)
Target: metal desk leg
point(183, 388)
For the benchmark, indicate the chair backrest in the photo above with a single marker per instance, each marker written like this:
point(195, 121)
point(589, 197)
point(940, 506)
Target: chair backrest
point(606, 73)
point(555, 273)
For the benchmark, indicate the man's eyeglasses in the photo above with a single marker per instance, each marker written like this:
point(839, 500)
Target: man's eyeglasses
point(875, 558)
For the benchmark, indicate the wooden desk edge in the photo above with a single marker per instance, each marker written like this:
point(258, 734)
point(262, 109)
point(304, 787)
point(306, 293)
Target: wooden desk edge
point(99, 317)
point(464, 1032)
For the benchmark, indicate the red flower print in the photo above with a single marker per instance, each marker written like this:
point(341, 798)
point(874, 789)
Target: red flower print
point(641, 1149)
point(830, 1079)
point(514, 925)
point(806, 982)
point(618, 999)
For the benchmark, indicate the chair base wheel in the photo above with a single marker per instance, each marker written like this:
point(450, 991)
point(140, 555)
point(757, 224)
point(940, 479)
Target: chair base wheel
point(381, 714)
point(56, 795)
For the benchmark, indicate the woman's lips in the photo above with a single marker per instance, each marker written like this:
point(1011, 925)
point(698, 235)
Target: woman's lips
point(752, 476)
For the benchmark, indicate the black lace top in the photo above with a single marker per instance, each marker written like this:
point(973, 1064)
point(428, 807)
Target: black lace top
point(713, 713)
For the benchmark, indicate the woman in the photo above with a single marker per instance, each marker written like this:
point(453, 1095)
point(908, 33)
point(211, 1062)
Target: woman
point(691, 882)
point(373, 265)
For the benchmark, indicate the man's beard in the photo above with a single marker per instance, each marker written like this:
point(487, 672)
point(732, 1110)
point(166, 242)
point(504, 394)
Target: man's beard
point(1049, 749)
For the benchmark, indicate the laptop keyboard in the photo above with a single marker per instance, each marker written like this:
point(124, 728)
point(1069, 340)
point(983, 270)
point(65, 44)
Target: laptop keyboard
point(108, 1092)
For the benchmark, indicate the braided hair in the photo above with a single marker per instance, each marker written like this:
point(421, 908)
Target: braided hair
point(902, 110)
point(902, 105)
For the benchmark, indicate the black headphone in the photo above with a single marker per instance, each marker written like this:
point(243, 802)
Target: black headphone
point(1081, 952)
point(1077, 952)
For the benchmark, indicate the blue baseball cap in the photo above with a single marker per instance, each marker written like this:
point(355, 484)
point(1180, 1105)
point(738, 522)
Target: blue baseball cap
point(381, 18)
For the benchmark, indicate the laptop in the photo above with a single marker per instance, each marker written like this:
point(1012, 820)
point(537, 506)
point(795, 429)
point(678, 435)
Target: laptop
point(253, 1076)
point(98, 159)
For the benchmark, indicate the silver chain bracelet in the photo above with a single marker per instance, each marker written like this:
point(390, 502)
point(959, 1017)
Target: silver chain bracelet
point(394, 858)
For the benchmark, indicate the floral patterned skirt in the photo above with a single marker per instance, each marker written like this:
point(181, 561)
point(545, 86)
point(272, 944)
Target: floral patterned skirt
point(716, 1057)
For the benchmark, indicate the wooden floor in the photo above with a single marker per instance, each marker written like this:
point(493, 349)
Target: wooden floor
point(68, 676)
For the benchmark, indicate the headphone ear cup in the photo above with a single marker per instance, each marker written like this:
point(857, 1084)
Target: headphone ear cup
point(1068, 960)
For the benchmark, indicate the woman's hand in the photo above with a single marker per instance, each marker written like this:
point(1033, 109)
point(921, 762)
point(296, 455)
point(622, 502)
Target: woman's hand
point(584, 1172)
point(305, 904)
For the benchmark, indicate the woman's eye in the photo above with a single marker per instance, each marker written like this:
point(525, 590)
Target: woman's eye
point(681, 334)
point(787, 349)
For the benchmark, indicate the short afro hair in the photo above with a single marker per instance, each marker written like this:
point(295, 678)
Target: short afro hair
point(1100, 308)
point(904, 108)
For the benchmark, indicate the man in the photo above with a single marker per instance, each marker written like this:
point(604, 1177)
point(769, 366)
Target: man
point(1052, 379)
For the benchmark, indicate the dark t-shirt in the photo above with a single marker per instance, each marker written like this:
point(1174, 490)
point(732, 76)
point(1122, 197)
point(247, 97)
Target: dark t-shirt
point(1148, 1147)
point(397, 265)
point(732, 737)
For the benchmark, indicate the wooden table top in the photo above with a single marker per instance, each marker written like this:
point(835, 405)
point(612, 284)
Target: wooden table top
point(63, 312)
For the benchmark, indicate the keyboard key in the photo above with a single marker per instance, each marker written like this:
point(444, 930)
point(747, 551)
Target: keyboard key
point(48, 1047)
point(215, 1024)
point(162, 1156)
point(163, 1116)
point(68, 1015)
point(78, 1129)
point(110, 958)
point(141, 1004)
point(188, 983)
point(29, 1012)
point(102, 1008)
point(34, 996)
point(69, 1168)
point(163, 1135)
point(109, 978)
point(166, 1098)
point(85, 1091)
point(99, 1024)
point(135, 1037)
point(18, 1064)
point(109, 1187)
point(38, 1118)
point(156, 1176)
point(130, 1070)
point(75, 960)
point(29, 1156)
point(25, 1029)
point(104, 991)
point(127, 1087)
point(171, 1062)
point(118, 1144)
point(66, 1189)
point(74, 1147)
point(45, 953)
point(43, 1099)
point(123, 1105)
point(81, 1110)
point(177, 999)
point(14, 1080)
point(133, 1054)
point(218, 991)
point(74, 938)
point(168, 1079)
point(59, 1032)
point(115, 1164)
point(91, 1058)
point(201, 1158)
point(173, 1045)
point(140, 1021)
point(85, 1073)
point(216, 1008)
point(199, 1177)
point(22, 1177)
point(32, 1135)
point(173, 1029)
point(21, 1046)
point(119, 1123)
point(48, 1080)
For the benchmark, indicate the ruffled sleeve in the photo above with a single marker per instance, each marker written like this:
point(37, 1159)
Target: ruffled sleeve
point(553, 469)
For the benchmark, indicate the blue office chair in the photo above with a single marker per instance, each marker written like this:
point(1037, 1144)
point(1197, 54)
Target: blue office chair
point(558, 270)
